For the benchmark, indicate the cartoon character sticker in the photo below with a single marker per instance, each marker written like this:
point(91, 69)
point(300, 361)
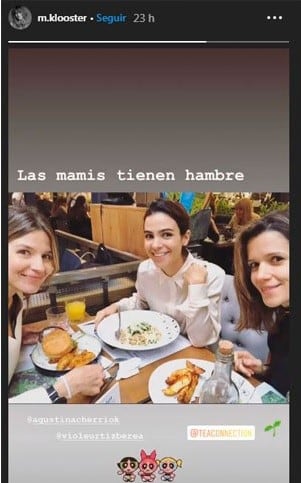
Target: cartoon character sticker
point(168, 466)
point(147, 465)
point(127, 467)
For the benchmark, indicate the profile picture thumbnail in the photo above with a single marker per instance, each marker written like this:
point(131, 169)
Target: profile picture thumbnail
point(20, 17)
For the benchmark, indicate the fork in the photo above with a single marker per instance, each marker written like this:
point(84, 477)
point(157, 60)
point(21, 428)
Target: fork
point(117, 332)
point(114, 363)
point(106, 382)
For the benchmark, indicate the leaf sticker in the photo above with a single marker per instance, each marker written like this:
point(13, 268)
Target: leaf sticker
point(273, 426)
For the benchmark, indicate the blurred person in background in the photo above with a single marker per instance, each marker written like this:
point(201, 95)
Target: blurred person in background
point(243, 215)
point(79, 220)
point(59, 217)
point(18, 199)
point(44, 204)
point(213, 231)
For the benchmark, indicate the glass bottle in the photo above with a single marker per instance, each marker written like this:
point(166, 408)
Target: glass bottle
point(219, 388)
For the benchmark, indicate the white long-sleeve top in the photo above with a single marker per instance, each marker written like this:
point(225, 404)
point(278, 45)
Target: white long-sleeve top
point(197, 307)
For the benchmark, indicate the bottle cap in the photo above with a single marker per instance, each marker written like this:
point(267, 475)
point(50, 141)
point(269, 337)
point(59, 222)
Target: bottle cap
point(225, 347)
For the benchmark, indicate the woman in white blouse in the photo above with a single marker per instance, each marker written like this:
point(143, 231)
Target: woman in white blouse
point(171, 280)
point(32, 260)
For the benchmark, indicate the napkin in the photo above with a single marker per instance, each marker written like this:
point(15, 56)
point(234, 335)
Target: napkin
point(128, 368)
point(25, 362)
point(87, 327)
point(104, 361)
point(112, 396)
point(33, 396)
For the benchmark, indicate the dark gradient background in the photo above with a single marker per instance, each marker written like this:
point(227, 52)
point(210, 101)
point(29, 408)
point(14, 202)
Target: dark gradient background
point(158, 109)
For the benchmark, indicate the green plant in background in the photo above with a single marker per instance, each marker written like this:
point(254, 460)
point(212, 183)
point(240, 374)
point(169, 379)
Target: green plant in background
point(272, 427)
point(173, 195)
point(197, 202)
point(223, 207)
point(270, 206)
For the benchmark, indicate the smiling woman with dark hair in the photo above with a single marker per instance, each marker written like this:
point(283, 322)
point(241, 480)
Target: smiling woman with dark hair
point(261, 260)
point(171, 280)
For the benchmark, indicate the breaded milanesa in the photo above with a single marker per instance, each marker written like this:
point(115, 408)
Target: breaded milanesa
point(56, 344)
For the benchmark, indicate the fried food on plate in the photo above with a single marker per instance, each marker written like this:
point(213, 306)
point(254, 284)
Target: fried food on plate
point(194, 368)
point(182, 382)
point(56, 344)
point(178, 375)
point(185, 394)
point(61, 349)
point(81, 359)
point(75, 359)
point(64, 362)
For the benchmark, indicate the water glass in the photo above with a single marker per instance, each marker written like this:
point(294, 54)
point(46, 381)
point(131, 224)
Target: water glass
point(57, 316)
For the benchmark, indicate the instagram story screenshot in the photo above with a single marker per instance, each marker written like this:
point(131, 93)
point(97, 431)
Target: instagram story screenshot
point(149, 334)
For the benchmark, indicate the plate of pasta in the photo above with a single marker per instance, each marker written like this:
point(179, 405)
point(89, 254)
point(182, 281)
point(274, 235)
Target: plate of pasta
point(140, 330)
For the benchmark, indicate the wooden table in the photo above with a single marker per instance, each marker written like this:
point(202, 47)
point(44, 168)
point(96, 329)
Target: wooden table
point(134, 390)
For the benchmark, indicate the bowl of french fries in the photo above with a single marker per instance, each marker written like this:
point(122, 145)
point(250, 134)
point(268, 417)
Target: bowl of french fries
point(177, 381)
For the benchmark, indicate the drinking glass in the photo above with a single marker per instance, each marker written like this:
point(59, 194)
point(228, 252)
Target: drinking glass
point(57, 315)
point(76, 310)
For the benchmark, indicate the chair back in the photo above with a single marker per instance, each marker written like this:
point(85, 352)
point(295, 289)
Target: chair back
point(70, 261)
point(247, 339)
point(103, 255)
point(199, 225)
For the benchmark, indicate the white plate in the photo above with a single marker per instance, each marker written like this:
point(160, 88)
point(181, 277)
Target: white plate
point(84, 341)
point(157, 383)
point(169, 328)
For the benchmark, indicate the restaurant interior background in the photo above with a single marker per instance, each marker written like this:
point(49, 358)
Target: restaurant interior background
point(103, 265)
